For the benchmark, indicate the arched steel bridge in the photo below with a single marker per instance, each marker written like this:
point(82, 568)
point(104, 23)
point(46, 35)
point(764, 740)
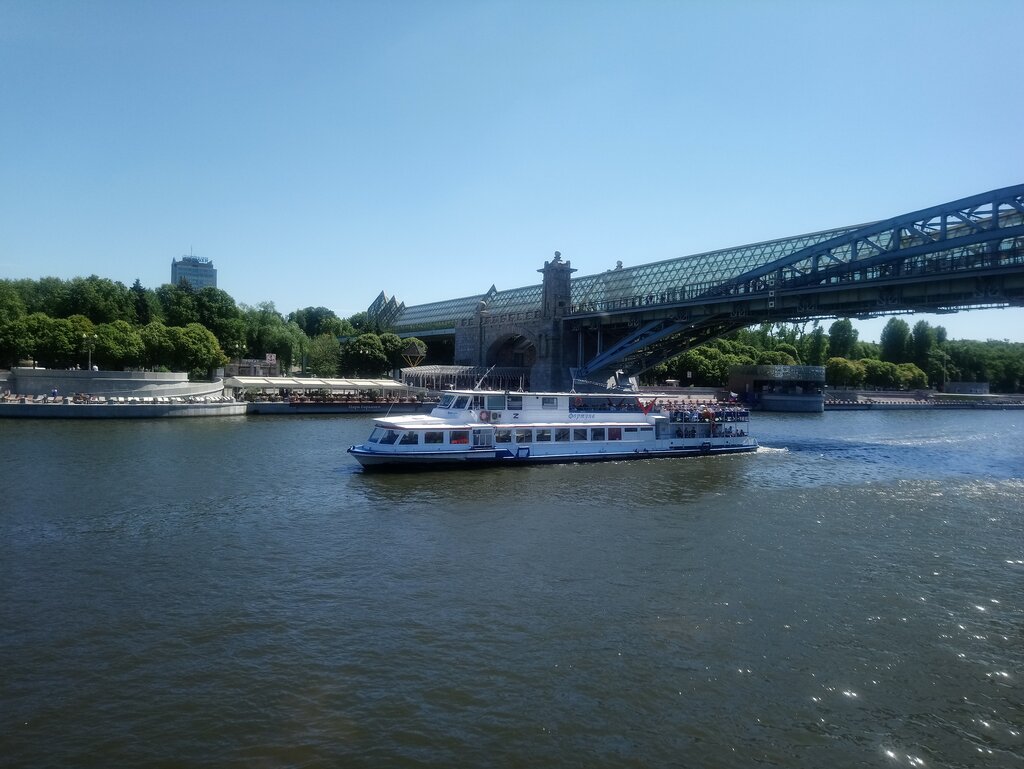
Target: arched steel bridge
point(964, 254)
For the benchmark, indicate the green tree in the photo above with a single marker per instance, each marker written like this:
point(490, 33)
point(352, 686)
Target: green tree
point(361, 323)
point(158, 345)
point(47, 295)
point(774, 358)
point(787, 333)
point(880, 373)
point(393, 346)
point(1011, 379)
point(82, 325)
point(53, 340)
point(199, 350)
point(939, 368)
point(842, 337)
point(895, 341)
point(323, 356)
point(922, 341)
point(101, 300)
point(865, 350)
point(814, 347)
point(969, 361)
point(319, 320)
point(911, 377)
point(842, 372)
point(12, 306)
point(363, 357)
point(261, 324)
point(177, 304)
point(216, 310)
point(704, 366)
point(16, 342)
point(143, 301)
point(741, 345)
point(118, 345)
point(789, 349)
point(84, 333)
point(286, 342)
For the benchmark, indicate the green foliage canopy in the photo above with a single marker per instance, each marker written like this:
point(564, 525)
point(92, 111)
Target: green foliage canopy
point(364, 356)
point(324, 356)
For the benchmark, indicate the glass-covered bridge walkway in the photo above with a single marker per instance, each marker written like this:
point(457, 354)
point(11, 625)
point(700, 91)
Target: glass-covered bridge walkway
point(962, 254)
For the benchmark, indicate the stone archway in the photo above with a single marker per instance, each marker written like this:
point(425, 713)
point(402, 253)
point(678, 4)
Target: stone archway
point(512, 349)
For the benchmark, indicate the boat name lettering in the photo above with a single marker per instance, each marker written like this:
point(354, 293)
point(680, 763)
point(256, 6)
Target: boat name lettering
point(577, 417)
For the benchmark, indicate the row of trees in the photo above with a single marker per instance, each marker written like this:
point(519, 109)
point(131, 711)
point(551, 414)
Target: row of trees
point(63, 323)
point(67, 342)
point(903, 358)
point(58, 322)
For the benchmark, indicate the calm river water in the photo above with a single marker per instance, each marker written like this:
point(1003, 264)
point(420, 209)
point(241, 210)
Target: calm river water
point(235, 593)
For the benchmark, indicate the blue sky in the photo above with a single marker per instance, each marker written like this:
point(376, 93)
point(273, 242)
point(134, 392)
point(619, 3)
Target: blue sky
point(321, 152)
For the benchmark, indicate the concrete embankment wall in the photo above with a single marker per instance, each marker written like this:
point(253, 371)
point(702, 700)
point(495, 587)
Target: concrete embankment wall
point(118, 411)
point(853, 400)
point(136, 384)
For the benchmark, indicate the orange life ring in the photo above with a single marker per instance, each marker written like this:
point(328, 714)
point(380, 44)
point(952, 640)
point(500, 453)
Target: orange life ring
point(484, 416)
point(579, 401)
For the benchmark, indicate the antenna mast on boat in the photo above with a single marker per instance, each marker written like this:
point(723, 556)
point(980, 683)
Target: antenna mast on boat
point(481, 379)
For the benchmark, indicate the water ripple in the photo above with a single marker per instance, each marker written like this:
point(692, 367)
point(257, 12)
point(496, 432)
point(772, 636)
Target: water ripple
point(238, 596)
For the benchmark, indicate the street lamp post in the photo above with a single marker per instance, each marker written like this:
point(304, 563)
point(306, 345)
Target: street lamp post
point(89, 341)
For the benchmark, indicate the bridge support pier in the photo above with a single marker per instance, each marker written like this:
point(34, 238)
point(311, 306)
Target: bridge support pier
point(550, 371)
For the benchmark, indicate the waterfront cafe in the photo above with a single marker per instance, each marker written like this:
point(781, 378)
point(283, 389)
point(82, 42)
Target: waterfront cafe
point(282, 387)
point(437, 378)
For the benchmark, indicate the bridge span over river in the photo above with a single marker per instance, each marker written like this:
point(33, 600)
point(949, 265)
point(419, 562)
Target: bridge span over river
point(960, 255)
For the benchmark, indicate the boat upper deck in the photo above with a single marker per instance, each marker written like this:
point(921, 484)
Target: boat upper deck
point(471, 406)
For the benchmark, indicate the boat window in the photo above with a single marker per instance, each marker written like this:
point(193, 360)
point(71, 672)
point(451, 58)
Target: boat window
point(410, 439)
point(542, 435)
point(375, 435)
point(562, 435)
point(615, 433)
point(447, 400)
point(461, 402)
point(515, 402)
point(433, 436)
point(502, 436)
point(524, 436)
point(579, 433)
point(630, 429)
point(459, 436)
point(390, 436)
point(646, 430)
point(597, 434)
point(549, 402)
point(495, 402)
point(478, 402)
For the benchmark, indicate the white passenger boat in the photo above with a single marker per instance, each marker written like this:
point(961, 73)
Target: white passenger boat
point(470, 428)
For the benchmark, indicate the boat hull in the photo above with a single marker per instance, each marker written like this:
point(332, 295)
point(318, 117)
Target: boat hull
point(378, 461)
point(297, 408)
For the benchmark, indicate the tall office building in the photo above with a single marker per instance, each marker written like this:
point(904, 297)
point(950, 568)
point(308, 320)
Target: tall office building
point(197, 270)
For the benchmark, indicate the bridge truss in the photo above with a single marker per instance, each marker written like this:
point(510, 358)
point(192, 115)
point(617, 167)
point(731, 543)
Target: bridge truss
point(967, 253)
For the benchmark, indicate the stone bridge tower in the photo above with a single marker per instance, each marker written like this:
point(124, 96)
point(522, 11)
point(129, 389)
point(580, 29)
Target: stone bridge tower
point(549, 370)
point(532, 339)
